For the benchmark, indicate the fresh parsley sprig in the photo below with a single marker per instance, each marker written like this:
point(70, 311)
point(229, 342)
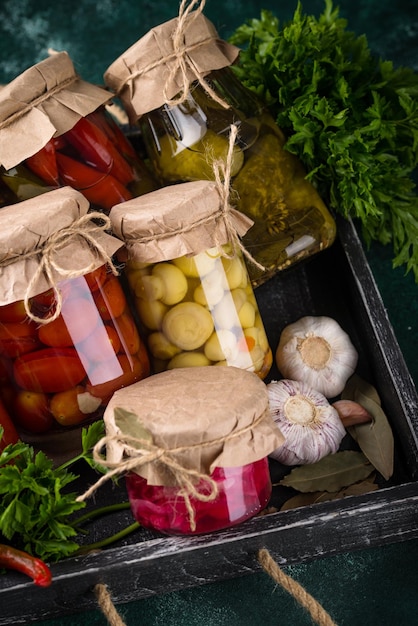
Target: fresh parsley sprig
point(350, 117)
point(36, 507)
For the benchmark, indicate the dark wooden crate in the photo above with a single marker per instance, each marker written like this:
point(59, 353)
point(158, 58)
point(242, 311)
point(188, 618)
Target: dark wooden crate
point(338, 283)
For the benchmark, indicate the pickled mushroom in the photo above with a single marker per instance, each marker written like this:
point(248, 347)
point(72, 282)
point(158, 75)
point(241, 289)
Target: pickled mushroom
point(160, 347)
point(188, 325)
point(173, 283)
point(235, 272)
point(151, 313)
point(188, 359)
point(221, 345)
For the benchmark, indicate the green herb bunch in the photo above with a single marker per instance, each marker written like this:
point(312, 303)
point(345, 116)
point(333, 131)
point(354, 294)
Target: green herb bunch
point(35, 506)
point(350, 117)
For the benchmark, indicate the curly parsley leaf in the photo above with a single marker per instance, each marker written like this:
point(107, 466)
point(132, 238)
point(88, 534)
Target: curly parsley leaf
point(36, 505)
point(350, 117)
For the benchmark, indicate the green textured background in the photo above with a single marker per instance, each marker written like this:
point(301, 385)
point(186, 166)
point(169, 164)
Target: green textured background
point(376, 587)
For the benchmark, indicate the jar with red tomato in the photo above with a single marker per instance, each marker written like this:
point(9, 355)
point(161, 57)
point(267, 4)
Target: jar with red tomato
point(77, 142)
point(68, 339)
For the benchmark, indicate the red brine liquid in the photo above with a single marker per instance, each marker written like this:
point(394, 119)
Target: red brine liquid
point(242, 493)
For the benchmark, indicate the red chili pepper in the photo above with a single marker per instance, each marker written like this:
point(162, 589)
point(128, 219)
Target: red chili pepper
point(96, 149)
point(108, 125)
point(10, 434)
point(11, 558)
point(100, 189)
point(44, 164)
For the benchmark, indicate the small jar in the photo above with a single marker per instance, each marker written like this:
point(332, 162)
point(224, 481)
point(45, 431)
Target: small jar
point(77, 142)
point(190, 286)
point(185, 119)
point(207, 427)
point(68, 338)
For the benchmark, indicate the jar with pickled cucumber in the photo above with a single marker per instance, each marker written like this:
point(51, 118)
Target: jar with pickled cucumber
point(68, 337)
point(185, 122)
point(189, 282)
point(77, 142)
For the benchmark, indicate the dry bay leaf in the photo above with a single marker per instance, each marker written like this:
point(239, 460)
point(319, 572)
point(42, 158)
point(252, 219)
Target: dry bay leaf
point(129, 424)
point(375, 438)
point(303, 499)
point(332, 473)
point(356, 383)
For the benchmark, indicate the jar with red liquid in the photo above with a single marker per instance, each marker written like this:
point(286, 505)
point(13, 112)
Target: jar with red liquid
point(201, 437)
point(68, 339)
point(77, 142)
point(189, 281)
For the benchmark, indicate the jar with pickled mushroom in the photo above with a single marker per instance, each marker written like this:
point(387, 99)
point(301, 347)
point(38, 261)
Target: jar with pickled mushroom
point(185, 97)
point(202, 462)
point(77, 143)
point(68, 338)
point(189, 281)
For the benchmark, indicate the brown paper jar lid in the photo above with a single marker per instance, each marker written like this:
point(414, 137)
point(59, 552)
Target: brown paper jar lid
point(26, 229)
point(182, 219)
point(46, 100)
point(195, 406)
point(140, 74)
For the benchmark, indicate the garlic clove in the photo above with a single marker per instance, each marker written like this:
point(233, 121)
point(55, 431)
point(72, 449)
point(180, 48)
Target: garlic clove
point(316, 350)
point(311, 426)
point(352, 413)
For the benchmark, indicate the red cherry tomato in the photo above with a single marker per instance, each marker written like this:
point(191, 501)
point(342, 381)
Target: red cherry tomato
point(110, 299)
point(96, 278)
point(31, 411)
point(99, 188)
point(101, 345)
point(130, 370)
point(17, 338)
point(13, 312)
point(77, 320)
point(128, 333)
point(65, 409)
point(10, 434)
point(49, 370)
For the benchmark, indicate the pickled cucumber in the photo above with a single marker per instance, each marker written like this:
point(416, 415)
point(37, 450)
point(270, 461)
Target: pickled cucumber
point(195, 162)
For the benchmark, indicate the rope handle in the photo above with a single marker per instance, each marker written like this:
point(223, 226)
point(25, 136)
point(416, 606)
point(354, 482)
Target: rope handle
point(269, 565)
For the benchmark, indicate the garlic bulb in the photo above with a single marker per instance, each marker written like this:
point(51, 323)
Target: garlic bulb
point(311, 426)
point(316, 350)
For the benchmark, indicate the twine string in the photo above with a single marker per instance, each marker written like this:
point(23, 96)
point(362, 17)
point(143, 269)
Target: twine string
point(141, 452)
point(180, 59)
point(84, 228)
point(222, 171)
point(106, 605)
point(308, 602)
point(34, 103)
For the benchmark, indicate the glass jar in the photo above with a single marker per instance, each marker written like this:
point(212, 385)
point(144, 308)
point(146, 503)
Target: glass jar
point(78, 143)
point(216, 435)
point(186, 127)
point(197, 308)
point(243, 492)
point(66, 349)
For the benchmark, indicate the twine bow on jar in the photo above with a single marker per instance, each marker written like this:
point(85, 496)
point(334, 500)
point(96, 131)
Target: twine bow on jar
point(86, 229)
point(141, 451)
point(180, 60)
